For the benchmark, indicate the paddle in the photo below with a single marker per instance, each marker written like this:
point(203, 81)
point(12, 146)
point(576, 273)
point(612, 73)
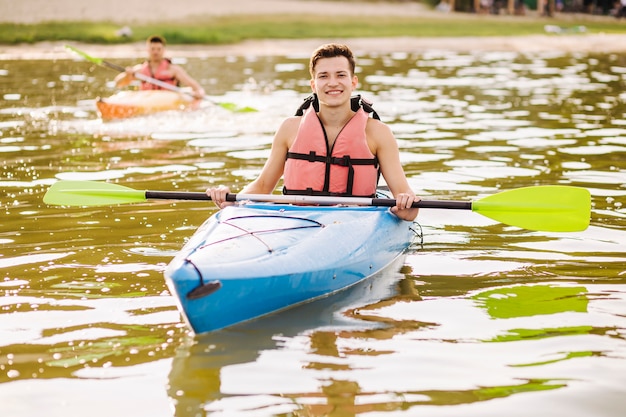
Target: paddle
point(159, 83)
point(551, 208)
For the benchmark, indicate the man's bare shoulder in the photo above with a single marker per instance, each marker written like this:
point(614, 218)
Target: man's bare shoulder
point(287, 132)
point(290, 123)
point(377, 128)
point(177, 68)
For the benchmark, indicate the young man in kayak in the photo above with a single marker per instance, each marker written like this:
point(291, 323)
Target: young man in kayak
point(332, 125)
point(160, 68)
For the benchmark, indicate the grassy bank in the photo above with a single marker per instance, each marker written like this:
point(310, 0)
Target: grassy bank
point(238, 28)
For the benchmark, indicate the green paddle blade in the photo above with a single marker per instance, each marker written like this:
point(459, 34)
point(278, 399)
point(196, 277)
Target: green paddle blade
point(85, 55)
point(550, 208)
point(91, 193)
point(235, 108)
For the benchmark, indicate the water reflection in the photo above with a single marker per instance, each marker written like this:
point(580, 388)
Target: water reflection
point(485, 319)
point(201, 367)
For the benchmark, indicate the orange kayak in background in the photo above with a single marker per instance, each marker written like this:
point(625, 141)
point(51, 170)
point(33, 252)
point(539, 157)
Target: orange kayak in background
point(143, 102)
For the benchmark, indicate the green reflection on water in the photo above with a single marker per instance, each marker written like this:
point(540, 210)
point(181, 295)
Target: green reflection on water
point(489, 393)
point(98, 350)
point(345, 398)
point(533, 300)
point(530, 334)
point(566, 356)
point(142, 344)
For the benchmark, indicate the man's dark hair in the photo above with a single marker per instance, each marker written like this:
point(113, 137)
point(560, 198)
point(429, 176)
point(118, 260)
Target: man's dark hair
point(331, 50)
point(156, 39)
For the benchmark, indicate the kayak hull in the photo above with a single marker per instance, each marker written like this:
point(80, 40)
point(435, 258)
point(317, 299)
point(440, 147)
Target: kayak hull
point(251, 260)
point(127, 104)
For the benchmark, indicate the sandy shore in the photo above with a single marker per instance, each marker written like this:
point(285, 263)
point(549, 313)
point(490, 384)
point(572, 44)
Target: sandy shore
point(127, 12)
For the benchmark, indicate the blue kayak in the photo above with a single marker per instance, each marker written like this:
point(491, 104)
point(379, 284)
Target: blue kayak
point(250, 260)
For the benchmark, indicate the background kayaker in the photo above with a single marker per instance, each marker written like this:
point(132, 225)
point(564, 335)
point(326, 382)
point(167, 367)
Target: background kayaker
point(333, 81)
point(160, 68)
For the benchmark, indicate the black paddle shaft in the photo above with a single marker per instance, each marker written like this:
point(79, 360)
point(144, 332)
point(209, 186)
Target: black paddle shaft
point(183, 195)
point(383, 202)
point(114, 66)
point(458, 205)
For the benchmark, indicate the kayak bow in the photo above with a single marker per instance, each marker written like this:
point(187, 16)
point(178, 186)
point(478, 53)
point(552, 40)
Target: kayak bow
point(128, 103)
point(252, 260)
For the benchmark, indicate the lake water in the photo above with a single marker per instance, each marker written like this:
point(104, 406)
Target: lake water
point(483, 319)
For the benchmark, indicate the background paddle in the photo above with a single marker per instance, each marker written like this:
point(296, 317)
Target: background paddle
point(159, 83)
point(550, 208)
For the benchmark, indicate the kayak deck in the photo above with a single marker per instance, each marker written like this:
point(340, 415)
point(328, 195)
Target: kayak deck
point(129, 103)
point(250, 260)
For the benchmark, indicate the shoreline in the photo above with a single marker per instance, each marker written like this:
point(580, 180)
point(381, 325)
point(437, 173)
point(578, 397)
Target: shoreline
point(570, 43)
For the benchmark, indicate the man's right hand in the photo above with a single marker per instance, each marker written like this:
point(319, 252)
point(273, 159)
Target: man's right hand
point(218, 196)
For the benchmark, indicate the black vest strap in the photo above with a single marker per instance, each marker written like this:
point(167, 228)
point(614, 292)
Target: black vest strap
point(345, 161)
point(356, 102)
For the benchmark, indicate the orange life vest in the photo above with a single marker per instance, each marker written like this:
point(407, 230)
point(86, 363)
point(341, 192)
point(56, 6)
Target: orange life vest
point(162, 74)
point(348, 169)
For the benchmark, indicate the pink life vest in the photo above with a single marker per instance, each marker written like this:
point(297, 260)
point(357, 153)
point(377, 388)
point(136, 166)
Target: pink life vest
point(162, 74)
point(350, 170)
